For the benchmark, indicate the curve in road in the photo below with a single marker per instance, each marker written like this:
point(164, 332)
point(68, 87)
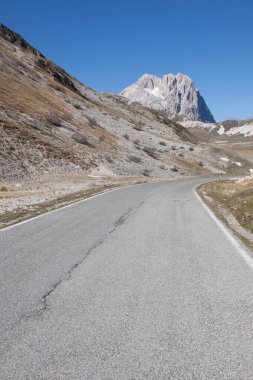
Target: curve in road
point(139, 283)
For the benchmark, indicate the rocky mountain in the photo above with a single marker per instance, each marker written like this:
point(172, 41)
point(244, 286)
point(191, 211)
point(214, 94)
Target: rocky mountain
point(50, 124)
point(174, 94)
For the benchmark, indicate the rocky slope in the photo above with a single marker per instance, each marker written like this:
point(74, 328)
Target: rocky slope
point(174, 94)
point(51, 123)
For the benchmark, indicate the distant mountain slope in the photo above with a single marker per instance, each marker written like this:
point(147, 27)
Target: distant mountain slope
point(174, 94)
point(228, 128)
point(51, 123)
point(236, 128)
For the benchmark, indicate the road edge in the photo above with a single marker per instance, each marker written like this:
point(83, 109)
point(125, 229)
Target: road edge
point(68, 205)
point(86, 199)
point(242, 250)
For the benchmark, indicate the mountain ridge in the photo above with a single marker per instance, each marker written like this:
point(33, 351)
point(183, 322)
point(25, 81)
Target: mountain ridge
point(175, 94)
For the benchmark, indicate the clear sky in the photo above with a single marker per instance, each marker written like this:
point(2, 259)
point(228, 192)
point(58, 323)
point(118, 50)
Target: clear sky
point(109, 44)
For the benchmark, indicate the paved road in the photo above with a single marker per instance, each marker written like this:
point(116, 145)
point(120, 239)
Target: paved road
point(139, 283)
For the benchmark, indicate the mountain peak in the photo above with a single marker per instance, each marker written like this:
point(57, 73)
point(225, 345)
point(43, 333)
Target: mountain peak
point(175, 94)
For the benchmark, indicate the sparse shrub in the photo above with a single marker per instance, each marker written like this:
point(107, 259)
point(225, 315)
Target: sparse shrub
point(174, 147)
point(181, 147)
point(181, 155)
point(200, 163)
point(3, 188)
point(136, 141)
point(162, 143)
point(134, 159)
point(41, 63)
point(81, 139)
point(67, 117)
point(137, 127)
point(150, 151)
point(77, 106)
point(137, 147)
point(191, 149)
point(59, 88)
point(36, 125)
point(93, 122)
point(126, 136)
point(54, 119)
point(109, 159)
point(174, 169)
point(102, 138)
point(146, 173)
point(163, 167)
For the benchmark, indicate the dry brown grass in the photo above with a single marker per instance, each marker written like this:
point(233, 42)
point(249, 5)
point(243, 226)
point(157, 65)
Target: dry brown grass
point(233, 198)
point(27, 129)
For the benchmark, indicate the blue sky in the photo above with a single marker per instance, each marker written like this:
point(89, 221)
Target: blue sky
point(109, 44)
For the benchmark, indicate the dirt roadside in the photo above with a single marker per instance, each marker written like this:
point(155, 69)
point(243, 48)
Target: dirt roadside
point(232, 202)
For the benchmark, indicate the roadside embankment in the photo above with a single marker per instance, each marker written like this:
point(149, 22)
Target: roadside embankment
point(232, 202)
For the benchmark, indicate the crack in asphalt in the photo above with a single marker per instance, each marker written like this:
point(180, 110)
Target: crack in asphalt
point(68, 275)
point(43, 304)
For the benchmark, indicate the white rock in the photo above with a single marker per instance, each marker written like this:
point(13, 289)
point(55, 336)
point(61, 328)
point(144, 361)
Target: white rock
point(246, 130)
point(224, 159)
point(174, 94)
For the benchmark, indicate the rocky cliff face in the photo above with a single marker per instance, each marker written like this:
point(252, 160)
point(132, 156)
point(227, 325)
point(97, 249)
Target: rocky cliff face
point(174, 94)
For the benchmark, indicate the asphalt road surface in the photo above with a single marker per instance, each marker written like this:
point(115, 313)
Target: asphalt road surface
point(138, 283)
